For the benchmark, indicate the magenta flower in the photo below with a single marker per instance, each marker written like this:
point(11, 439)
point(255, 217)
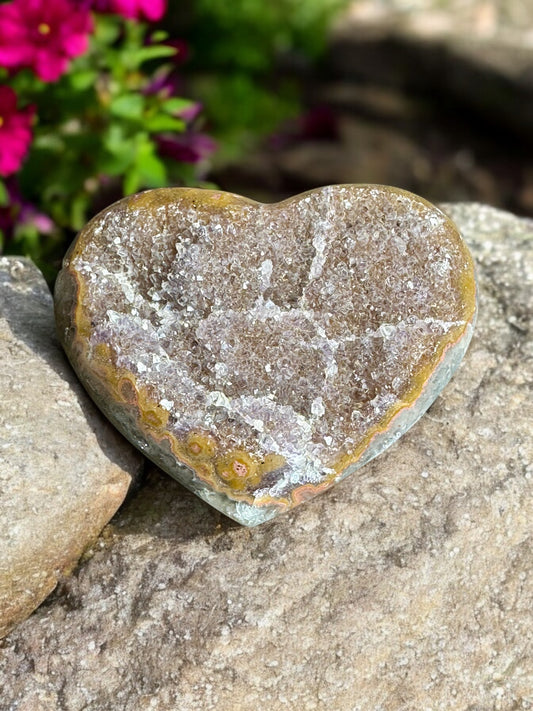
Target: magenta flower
point(151, 10)
point(43, 35)
point(164, 83)
point(30, 215)
point(21, 213)
point(15, 131)
point(187, 147)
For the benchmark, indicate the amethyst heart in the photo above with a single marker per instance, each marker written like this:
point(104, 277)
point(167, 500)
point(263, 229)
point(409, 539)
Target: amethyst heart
point(261, 353)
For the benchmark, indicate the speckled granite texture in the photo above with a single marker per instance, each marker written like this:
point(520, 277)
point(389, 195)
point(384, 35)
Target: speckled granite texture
point(405, 588)
point(64, 470)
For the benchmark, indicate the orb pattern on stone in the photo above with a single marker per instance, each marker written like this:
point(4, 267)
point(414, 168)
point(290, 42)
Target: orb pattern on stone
point(260, 353)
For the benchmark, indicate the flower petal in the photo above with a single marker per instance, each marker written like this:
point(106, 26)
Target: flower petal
point(8, 101)
point(49, 66)
point(22, 45)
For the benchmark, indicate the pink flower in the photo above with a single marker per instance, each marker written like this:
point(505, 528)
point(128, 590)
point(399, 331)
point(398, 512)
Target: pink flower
point(43, 35)
point(15, 131)
point(151, 10)
point(21, 213)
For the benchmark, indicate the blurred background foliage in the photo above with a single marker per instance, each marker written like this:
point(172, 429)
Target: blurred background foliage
point(262, 98)
point(246, 59)
point(147, 104)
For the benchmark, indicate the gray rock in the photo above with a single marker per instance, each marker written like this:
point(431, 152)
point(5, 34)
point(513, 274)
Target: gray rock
point(405, 587)
point(478, 52)
point(64, 470)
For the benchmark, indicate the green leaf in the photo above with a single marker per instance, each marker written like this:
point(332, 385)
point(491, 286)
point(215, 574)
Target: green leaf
point(159, 36)
point(151, 168)
point(160, 123)
point(4, 195)
point(120, 149)
point(27, 236)
point(78, 210)
point(127, 106)
point(132, 182)
point(159, 51)
point(107, 29)
point(176, 105)
point(148, 170)
point(114, 139)
point(82, 80)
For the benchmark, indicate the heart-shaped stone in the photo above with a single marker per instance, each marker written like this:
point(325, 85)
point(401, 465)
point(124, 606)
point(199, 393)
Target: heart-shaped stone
point(261, 353)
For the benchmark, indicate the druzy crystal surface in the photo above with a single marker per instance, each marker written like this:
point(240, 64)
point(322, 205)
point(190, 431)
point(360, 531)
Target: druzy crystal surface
point(260, 353)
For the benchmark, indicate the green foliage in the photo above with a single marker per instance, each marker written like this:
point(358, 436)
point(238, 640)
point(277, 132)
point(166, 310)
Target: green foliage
point(247, 35)
point(111, 124)
point(96, 121)
point(96, 130)
point(241, 110)
point(236, 49)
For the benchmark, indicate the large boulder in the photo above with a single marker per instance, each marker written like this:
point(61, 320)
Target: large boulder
point(405, 587)
point(65, 470)
point(478, 53)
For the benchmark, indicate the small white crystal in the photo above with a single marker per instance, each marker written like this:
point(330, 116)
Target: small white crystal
point(317, 407)
point(216, 398)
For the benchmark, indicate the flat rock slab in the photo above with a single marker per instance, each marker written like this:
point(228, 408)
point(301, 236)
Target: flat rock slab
point(64, 469)
point(405, 587)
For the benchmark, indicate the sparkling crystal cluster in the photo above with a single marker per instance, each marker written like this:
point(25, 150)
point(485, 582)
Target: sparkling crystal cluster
point(259, 353)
